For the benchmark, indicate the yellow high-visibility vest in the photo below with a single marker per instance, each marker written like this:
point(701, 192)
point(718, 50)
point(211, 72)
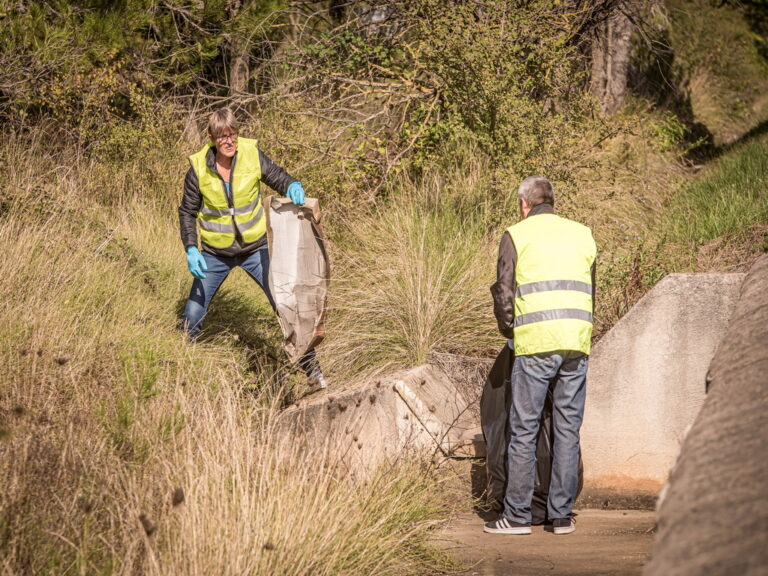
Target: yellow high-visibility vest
point(553, 275)
point(217, 220)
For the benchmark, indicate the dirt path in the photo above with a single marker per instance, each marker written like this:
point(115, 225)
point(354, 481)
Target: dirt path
point(615, 542)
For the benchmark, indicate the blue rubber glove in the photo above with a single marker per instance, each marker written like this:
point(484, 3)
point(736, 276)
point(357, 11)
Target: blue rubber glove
point(196, 263)
point(296, 193)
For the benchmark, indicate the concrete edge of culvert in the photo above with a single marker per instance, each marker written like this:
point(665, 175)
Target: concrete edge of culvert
point(717, 487)
point(647, 381)
point(620, 492)
point(616, 499)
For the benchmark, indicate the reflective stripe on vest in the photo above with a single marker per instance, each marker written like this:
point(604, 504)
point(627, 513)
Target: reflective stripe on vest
point(546, 285)
point(559, 314)
point(553, 274)
point(231, 211)
point(229, 228)
point(217, 218)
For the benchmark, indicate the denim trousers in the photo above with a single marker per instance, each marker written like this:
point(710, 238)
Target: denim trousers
point(532, 375)
point(203, 290)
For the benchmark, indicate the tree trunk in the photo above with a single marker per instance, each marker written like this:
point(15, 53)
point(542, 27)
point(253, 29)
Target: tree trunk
point(238, 51)
point(239, 70)
point(611, 49)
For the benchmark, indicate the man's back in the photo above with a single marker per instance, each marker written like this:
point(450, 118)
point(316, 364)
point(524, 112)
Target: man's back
point(553, 277)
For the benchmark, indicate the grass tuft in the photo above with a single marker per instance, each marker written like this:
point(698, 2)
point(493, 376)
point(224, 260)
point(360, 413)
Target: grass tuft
point(412, 277)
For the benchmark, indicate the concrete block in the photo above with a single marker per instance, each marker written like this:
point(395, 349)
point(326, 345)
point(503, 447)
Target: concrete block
point(360, 427)
point(646, 380)
point(713, 518)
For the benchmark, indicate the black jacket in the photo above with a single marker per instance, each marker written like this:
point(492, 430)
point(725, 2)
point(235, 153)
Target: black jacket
point(503, 290)
point(271, 174)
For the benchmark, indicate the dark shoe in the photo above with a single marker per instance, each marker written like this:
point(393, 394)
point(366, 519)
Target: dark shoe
point(563, 525)
point(504, 526)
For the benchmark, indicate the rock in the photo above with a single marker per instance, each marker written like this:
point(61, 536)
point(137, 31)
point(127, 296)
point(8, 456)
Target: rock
point(417, 410)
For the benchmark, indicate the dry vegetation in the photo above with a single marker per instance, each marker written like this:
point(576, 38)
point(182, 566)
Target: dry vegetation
point(126, 450)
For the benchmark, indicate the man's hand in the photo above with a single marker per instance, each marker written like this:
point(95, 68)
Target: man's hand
point(196, 263)
point(296, 193)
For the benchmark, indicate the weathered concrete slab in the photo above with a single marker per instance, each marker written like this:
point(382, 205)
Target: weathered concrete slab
point(713, 519)
point(435, 401)
point(417, 410)
point(646, 381)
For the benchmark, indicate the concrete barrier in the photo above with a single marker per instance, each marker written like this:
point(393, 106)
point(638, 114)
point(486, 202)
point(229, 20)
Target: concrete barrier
point(646, 382)
point(713, 517)
point(414, 411)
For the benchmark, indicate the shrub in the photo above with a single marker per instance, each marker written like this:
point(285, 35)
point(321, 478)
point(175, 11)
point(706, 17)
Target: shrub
point(412, 277)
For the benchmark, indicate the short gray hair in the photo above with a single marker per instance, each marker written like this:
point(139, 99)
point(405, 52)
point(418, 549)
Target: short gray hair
point(220, 121)
point(537, 190)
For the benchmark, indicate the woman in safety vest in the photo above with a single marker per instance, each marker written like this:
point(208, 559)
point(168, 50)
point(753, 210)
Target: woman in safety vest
point(222, 196)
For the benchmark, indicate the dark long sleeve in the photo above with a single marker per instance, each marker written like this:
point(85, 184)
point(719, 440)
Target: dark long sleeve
point(503, 290)
point(273, 175)
point(188, 209)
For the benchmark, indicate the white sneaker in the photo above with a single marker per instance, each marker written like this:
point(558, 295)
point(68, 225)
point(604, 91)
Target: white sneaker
point(317, 383)
point(504, 526)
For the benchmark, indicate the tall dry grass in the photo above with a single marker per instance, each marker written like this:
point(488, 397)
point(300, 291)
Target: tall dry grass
point(412, 277)
point(125, 449)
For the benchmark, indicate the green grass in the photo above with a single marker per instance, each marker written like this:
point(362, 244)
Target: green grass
point(723, 212)
point(730, 197)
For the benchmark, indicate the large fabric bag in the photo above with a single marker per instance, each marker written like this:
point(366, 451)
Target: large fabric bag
point(299, 272)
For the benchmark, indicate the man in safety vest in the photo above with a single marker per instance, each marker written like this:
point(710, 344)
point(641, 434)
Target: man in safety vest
point(222, 196)
point(544, 301)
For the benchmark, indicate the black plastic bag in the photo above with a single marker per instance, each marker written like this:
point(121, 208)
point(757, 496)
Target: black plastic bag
point(495, 404)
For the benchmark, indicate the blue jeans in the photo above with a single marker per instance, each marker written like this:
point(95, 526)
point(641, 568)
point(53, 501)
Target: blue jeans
point(531, 378)
point(256, 265)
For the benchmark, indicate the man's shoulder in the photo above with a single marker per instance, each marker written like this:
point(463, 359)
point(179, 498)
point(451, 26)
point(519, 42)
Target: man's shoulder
point(574, 225)
point(541, 222)
point(578, 225)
